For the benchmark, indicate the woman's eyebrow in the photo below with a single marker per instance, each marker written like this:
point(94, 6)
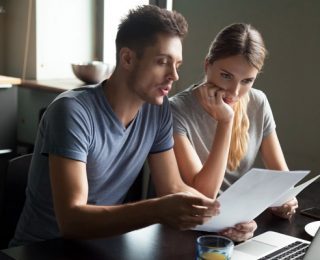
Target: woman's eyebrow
point(226, 71)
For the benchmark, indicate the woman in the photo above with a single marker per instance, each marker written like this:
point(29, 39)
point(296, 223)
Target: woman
point(222, 123)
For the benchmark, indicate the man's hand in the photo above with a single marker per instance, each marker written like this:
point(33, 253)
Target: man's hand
point(241, 231)
point(184, 210)
point(287, 210)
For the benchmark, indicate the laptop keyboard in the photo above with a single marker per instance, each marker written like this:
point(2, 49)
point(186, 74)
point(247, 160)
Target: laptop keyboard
point(292, 251)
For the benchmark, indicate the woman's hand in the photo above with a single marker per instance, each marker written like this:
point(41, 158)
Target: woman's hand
point(241, 231)
point(287, 210)
point(211, 97)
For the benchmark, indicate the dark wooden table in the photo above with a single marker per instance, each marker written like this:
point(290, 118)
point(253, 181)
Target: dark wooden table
point(157, 241)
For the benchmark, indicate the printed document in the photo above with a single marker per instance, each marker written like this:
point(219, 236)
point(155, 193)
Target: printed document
point(254, 192)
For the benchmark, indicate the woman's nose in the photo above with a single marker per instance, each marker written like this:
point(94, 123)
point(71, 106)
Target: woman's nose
point(234, 90)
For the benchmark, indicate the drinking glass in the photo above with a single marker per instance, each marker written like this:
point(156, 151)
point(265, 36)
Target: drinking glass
point(212, 247)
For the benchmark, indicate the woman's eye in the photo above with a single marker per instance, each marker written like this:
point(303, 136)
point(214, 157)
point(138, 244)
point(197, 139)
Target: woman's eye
point(247, 81)
point(225, 76)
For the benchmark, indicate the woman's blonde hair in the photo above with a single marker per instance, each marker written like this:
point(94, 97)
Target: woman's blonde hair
point(235, 39)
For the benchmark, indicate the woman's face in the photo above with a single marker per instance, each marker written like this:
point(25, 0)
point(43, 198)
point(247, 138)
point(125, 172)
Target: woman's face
point(233, 74)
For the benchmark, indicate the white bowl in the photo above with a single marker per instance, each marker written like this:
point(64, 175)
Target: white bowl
point(92, 72)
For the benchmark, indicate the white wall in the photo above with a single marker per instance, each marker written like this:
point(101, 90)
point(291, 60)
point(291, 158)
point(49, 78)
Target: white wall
point(291, 29)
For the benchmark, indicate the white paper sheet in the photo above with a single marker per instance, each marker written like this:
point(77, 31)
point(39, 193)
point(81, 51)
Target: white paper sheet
point(250, 196)
point(293, 192)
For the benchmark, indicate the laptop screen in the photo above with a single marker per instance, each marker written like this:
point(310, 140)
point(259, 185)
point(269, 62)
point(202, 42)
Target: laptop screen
point(313, 251)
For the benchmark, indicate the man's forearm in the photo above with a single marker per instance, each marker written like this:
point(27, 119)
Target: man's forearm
point(91, 221)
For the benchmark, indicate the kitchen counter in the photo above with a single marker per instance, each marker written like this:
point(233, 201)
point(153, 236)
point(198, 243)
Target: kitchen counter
point(56, 86)
point(52, 85)
point(7, 81)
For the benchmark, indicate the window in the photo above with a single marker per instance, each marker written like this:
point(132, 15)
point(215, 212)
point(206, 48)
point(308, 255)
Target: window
point(114, 10)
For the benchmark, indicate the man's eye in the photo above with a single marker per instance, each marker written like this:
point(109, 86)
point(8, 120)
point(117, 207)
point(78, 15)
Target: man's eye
point(162, 62)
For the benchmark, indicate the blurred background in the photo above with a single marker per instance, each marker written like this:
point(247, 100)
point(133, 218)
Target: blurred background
point(39, 39)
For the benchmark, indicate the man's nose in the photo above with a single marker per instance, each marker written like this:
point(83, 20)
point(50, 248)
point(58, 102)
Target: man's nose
point(173, 74)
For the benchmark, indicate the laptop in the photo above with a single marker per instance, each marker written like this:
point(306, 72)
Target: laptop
point(277, 246)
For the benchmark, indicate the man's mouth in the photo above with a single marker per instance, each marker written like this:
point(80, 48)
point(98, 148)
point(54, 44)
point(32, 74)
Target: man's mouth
point(165, 90)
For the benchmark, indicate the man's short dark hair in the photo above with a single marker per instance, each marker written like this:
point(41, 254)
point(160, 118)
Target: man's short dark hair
point(141, 26)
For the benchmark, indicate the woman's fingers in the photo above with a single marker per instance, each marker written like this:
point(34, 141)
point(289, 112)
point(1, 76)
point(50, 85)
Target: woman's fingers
point(286, 210)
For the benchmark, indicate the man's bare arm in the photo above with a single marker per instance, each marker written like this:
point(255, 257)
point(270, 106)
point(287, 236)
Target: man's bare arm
point(77, 219)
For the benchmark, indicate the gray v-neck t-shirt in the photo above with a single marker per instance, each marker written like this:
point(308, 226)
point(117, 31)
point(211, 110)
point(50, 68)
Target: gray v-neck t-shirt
point(81, 125)
point(191, 120)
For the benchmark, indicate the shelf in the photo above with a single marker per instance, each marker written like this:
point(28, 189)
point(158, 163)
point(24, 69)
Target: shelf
point(5, 80)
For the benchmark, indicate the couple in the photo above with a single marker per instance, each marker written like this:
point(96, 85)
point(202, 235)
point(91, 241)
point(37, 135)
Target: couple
point(92, 142)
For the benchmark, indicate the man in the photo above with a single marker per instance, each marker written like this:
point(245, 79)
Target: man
point(92, 143)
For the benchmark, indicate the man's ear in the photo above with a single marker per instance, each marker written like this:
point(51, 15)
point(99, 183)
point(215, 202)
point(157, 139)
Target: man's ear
point(127, 57)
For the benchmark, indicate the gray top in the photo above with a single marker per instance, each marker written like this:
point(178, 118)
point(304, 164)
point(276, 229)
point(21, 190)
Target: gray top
point(191, 120)
point(81, 125)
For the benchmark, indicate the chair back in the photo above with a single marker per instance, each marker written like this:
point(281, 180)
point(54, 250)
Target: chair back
point(14, 194)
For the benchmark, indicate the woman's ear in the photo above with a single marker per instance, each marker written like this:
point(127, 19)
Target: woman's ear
point(126, 58)
point(206, 65)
